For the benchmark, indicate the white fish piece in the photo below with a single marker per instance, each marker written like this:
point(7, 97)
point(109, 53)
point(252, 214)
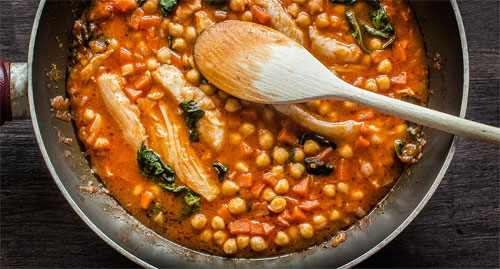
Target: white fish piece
point(332, 49)
point(118, 105)
point(211, 126)
point(346, 130)
point(168, 137)
point(96, 61)
point(281, 20)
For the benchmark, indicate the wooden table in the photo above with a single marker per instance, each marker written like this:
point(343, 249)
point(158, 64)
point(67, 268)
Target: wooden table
point(459, 227)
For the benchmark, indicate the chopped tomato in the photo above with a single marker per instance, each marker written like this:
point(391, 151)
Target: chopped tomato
point(249, 114)
point(269, 178)
point(298, 215)
point(361, 143)
point(139, 67)
point(256, 228)
point(400, 79)
point(233, 122)
point(246, 150)
point(102, 10)
point(125, 56)
point(291, 201)
point(135, 19)
point(380, 55)
point(124, 5)
point(245, 193)
point(325, 154)
point(309, 205)
point(399, 50)
point(224, 213)
point(146, 199)
point(143, 83)
point(257, 189)
point(260, 209)
point(284, 217)
point(287, 136)
point(149, 22)
point(239, 227)
point(302, 188)
point(245, 180)
point(268, 228)
point(132, 94)
point(261, 15)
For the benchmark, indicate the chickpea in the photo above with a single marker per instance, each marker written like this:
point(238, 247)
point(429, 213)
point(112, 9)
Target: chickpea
point(229, 246)
point(102, 144)
point(268, 114)
point(366, 169)
point(280, 155)
point(296, 170)
point(237, 206)
point(293, 9)
point(281, 239)
point(333, 116)
point(278, 171)
point(282, 186)
point(127, 69)
point(208, 89)
point(229, 188)
point(346, 152)
point(319, 222)
point(343, 188)
point(143, 48)
point(234, 138)
point(193, 76)
point(371, 85)
point(268, 194)
point(190, 34)
point(298, 155)
point(88, 115)
point(313, 104)
point(329, 190)
point(159, 218)
point(163, 55)
point(137, 190)
point(175, 29)
point(232, 105)
point(303, 20)
point(258, 243)
point(334, 215)
point(400, 129)
point(222, 94)
point(242, 241)
point(152, 64)
point(335, 21)
point(220, 237)
point(375, 139)
point(218, 223)
point(375, 44)
point(277, 205)
point(179, 44)
point(293, 232)
point(187, 60)
point(315, 6)
point(383, 82)
point(237, 5)
point(206, 235)
point(241, 167)
point(306, 230)
point(322, 20)
point(198, 221)
point(247, 129)
point(150, 6)
point(266, 139)
point(247, 16)
point(349, 105)
point(385, 66)
point(311, 147)
point(357, 195)
point(324, 108)
point(262, 159)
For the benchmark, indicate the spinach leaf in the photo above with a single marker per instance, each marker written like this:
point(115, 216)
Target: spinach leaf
point(154, 210)
point(356, 30)
point(141, 2)
point(380, 20)
point(220, 169)
point(411, 99)
point(192, 113)
point(152, 167)
point(375, 32)
point(167, 6)
point(218, 4)
point(315, 166)
point(346, 2)
point(318, 138)
point(192, 201)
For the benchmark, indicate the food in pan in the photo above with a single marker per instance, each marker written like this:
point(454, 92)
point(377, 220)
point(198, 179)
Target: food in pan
point(228, 177)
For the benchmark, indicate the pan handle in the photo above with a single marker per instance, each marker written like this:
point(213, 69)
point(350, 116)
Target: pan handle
point(13, 91)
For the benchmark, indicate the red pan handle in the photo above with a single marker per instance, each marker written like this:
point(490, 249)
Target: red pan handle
point(13, 91)
point(5, 107)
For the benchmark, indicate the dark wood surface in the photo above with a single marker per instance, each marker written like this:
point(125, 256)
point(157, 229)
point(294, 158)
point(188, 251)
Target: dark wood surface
point(459, 227)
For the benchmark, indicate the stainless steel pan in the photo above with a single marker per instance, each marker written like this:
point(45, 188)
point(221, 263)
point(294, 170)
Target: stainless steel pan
point(444, 37)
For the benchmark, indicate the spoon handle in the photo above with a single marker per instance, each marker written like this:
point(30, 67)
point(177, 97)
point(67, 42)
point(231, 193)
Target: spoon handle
point(421, 115)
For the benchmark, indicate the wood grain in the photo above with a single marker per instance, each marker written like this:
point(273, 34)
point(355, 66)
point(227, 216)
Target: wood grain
point(458, 227)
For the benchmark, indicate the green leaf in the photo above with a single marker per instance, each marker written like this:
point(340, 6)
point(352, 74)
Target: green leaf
point(192, 113)
point(220, 169)
point(356, 30)
point(380, 20)
point(152, 167)
point(192, 201)
point(166, 7)
point(346, 2)
point(375, 32)
point(315, 166)
point(218, 4)
point(318, 138)
point(141, 2)
point(154, 210)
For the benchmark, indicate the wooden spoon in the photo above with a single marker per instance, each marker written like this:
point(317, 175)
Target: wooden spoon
point(259, 64)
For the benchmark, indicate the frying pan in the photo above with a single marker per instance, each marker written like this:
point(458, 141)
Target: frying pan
point(70, 170)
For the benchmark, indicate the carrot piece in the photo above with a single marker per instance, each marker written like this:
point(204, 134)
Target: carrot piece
point(224, 213)
point(257, 189)
point(256, 228)
point(298, 215)
point(239, 226)
point(140, 67)
point(400, 79)
point(269, 178)
point(287, 136)
point(245, 193)
point(152, 39)
point(261, 15)
point(135, 19)
point(302, 188)
point(149, 22)
point(259, 209)
point(146, 199)
point(132, 94)
point(124, 5)
point(143, 83)
point(380, 55)
point(125, 56)
point(309, 205)
point(246, 150)
point(284, 217)
point(245, 180)
point(325, 154)
point(291, 201)
point(361, 143)
point(268, 228)
point(343, 171)
point(249, 114)
point(283, 221)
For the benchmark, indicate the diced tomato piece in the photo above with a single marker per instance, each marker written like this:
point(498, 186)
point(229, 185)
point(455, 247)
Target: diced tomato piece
point(283, 221)
point(399, 50)
point(139, 67)
point(286, 215)
point(143, 83)
point(246, 150)
point(249, 114)
point(291, 201)
point(224, 213)
point(149, 22)
point(245, 180)
point(152, 39)
point(309, 205)
point(269, 178)
point(233, 122)
point(146, 199)
point(124, 6)
point(256, 228)
point(102, 10)
point(257, 189)
point(135, 19)
point(287, 136)
point(325, 154)
point(400, 79)
point(380, 55)
point(132, 94)
point(361, 143)
point(261, 15)
point(268, 228)
point(245, 193)
point(298, 215)
point(259, 209)
point(125, 56)
point(241, 226)
point(302, 188)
